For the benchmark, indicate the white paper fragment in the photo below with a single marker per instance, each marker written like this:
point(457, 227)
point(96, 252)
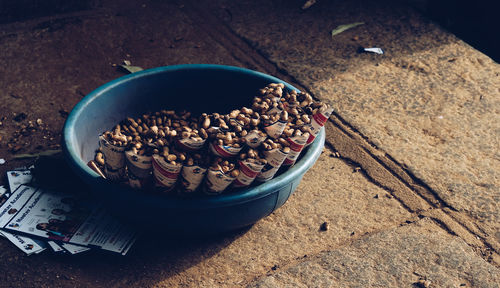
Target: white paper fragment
point(374, 50)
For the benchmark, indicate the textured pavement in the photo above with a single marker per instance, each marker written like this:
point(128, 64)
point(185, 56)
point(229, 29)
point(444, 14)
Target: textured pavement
point(411, 201)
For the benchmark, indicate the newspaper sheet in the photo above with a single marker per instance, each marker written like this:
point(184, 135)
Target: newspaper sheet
point(62, 218)
point(74, 249)
point(26, 244)
point(55, 247)
point(18, 177)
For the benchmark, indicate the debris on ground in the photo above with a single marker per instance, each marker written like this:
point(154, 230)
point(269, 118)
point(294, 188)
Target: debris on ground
point(342, 28)
point(375, 50)
point(63, 112)
point(308, 4)
point(20, 117)
point(36, 155)
point(127, 66)
point(323, 226)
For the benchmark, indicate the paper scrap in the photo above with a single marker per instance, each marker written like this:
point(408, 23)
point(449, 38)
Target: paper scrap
point(308, 4)
point(55, 247)
point(342, 28)
point(371, 50)
point(17, 178)
point(127, 65)
point(74, 249)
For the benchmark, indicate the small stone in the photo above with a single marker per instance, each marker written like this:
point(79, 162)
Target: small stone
point(63, 113)
point(275, 267)
point(16, 148)
point(423, 283)
point(2, 161)
point(39, 122)
point(376, 196)
point(352, 233)
point(20, 117)
point(323, 226)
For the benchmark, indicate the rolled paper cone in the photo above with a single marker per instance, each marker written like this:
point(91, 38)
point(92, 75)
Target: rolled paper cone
point(192, 177)
point(249, 169)
point(318, 120)
point(139, 169)
point(296, 145)
point(224, 151)
point(217, 181)
point(274, 110)
point(254, 138)
point(188, 144)
point(165, 173)
point(135, 182)
point(274, 158)
point(114, 159)
point(275, 129)
point(96, 168)
point(267, 173)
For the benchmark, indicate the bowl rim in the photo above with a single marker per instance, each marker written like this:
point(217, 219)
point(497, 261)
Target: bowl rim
point(246, 194)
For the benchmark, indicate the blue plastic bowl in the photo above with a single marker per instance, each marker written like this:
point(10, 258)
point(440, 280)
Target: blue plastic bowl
point(197, 88)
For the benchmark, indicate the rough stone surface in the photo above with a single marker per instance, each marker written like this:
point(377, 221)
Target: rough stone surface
point(294, 229)
point(431, 101)
point(48, 65)
point(401, 257)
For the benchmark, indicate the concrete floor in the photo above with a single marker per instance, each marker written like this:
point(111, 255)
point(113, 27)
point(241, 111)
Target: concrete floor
point(412, 198)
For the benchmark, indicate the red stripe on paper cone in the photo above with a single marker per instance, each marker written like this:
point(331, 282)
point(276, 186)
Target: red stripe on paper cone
point(247, 171)
point(221, 151)
point(320, 118)
point(237, 183)
point(294, 146)
point(164, 172)
point(310, 139)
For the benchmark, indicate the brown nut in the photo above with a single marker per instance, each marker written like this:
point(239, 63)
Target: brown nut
point(305, 118)
point(99, 158)
point(206, 123)
point(284, 116)
point(171, 157)
point(203, 133)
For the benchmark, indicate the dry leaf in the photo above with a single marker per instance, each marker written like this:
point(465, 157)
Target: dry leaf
point(342, 28)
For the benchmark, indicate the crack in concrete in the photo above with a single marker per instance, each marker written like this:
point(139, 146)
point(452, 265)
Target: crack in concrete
point(407, 188)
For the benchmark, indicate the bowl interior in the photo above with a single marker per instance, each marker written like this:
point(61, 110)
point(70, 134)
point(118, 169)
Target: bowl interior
point(196, 88)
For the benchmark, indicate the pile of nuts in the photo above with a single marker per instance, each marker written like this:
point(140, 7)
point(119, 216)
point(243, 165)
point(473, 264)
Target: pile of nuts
point(211, 153)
